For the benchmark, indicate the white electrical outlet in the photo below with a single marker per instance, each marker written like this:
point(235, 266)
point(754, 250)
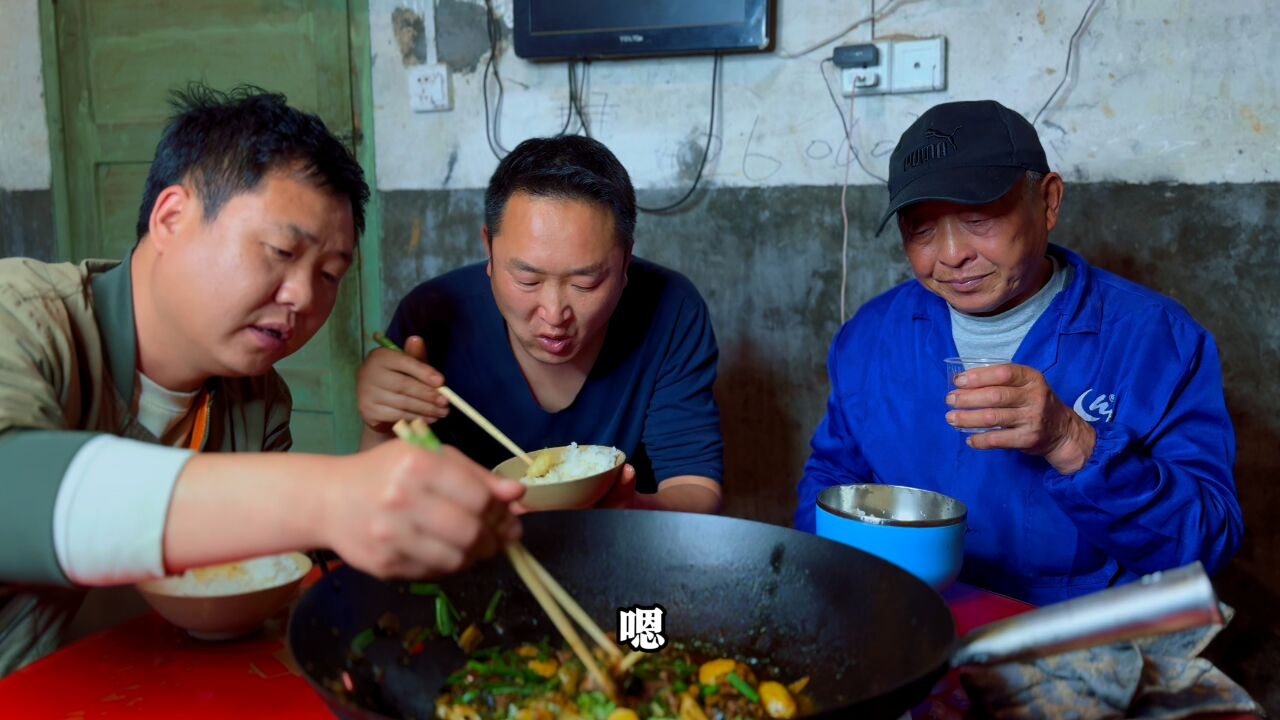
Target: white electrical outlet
point(919, 65)
point(906, 66)
point(429, 87)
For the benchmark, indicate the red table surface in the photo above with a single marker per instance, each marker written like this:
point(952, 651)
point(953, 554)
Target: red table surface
point(149, 668)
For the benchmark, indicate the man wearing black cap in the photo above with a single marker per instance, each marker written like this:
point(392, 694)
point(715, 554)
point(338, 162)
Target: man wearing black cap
point(1100, 452)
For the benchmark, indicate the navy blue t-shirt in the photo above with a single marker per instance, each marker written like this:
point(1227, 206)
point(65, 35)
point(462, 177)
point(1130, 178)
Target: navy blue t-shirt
point(649, 393)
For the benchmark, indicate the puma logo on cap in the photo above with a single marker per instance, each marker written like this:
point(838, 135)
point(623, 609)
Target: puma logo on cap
point(945, 145)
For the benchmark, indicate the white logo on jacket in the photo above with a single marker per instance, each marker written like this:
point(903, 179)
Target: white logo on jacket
point(1104, 405)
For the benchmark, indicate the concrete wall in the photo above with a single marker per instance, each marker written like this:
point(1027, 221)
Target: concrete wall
point(1160, 91)
point(26, 215)
point(24, 134)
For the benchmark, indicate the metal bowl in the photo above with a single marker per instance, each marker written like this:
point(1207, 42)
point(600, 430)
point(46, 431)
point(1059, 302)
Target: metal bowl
point(918, 530)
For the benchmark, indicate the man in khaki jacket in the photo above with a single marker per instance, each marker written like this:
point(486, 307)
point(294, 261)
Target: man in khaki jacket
point(137, 398)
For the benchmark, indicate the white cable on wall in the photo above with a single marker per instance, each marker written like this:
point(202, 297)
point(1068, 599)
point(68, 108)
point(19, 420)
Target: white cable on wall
point(844, 217)
point(1071, 49)
point(853, 156)
point(870, 17)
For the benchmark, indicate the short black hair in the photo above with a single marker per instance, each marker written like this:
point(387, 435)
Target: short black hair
point(224, 143)
point(570, 167)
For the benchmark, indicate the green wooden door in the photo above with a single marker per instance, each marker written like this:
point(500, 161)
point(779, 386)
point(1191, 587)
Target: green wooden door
point(117, 62)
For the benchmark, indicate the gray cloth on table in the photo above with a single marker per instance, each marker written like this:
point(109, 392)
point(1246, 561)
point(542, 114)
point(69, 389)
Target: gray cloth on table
point(1160, 678)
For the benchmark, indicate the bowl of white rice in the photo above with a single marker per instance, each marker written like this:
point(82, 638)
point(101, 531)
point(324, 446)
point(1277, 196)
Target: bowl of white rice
point(227, 601)
point(566, 478)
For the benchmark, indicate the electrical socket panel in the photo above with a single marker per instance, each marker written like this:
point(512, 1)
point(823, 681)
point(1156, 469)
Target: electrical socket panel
point(906, 66)
point(429, 88)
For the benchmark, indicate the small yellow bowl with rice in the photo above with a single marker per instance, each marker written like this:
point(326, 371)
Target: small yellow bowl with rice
point(566, 478)
point(221, 602)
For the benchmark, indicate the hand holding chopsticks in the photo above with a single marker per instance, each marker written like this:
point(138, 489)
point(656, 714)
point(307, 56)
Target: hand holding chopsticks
point(395, 511)
point(551, 596)
point(466, 408)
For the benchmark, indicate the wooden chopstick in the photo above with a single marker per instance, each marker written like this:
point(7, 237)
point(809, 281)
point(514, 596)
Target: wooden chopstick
point(631, 659)
point(545, 589)
point(573, 608)
point(466, 409)
point(484, 424)
point(522, 561)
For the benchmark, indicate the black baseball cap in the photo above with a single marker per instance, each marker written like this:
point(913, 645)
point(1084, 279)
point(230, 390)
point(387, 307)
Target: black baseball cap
point(970, 153)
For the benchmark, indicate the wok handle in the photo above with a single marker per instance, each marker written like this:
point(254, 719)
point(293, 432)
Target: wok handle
point(1159, 603)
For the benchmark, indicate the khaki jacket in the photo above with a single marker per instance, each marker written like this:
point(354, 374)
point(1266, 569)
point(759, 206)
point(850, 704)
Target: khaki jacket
point(68, 353)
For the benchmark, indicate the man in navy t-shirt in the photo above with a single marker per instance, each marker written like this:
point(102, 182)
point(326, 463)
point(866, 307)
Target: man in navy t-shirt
point(562, 336)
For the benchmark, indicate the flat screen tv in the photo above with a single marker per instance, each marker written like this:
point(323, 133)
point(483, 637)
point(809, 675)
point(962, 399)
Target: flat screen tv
point(568, 29)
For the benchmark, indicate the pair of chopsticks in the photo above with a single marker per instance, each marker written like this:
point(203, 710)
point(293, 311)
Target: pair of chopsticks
point(551, 596)
point(466, 408)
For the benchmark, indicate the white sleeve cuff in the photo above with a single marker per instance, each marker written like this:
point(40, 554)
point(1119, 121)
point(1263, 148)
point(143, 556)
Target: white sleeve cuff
point(109, 517)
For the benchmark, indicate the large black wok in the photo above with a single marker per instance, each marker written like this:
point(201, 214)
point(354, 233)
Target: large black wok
point(873, 638)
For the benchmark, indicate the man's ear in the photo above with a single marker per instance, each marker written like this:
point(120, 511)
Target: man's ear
point(171, 208)
point(1051, 190)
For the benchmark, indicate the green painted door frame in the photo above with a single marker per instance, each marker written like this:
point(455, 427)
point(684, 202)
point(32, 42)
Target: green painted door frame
point(371, 243)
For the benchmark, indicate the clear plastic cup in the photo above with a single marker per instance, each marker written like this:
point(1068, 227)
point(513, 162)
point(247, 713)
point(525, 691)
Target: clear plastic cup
point(957, 365)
